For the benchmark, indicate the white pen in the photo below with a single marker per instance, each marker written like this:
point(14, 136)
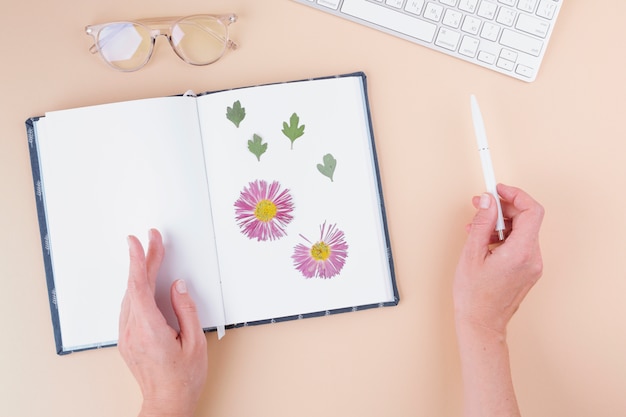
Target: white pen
point(485, 159)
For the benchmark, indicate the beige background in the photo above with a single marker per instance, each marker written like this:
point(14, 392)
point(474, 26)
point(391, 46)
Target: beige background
point(562, 138)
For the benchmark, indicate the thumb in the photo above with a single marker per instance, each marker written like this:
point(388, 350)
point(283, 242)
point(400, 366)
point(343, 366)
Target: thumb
point(483, 224)
point(187, 314)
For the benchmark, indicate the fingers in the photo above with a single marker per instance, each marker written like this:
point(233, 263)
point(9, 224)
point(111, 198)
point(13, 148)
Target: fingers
point(124, 314)
point(154, 258)
point(526, 214)
point(482, 227)
point(139, 298)
point(191, 333)
point(135, 268)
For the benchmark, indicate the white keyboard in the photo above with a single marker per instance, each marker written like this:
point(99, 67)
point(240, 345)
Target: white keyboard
point(507, 36)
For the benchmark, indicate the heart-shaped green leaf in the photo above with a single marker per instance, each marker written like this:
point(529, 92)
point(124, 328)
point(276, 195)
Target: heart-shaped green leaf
point(328, 168)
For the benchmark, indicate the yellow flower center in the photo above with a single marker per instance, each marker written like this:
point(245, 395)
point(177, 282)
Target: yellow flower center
point(320, 251)
point(265, 210)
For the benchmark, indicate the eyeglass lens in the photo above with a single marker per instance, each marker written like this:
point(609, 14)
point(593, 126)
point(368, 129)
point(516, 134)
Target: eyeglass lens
point(126, 46)
point(198, 40)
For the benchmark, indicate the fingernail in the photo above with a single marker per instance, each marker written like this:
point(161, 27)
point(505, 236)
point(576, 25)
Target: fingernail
point(181, 287)
point(485, 201)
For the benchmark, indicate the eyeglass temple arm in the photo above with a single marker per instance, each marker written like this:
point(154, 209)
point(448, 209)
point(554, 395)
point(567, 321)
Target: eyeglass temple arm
point(89, 31)
point(93, 31)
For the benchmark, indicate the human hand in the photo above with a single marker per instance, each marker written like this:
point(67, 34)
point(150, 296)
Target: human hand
point(170, 366)
point(492, 280)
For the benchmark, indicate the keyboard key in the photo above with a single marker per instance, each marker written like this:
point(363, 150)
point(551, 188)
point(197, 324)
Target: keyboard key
point(508, 54)
point(471, 25)
point(395, 3)
point(527, 5)
point(468, 5)
point(521, 42)
point(507, 2)
point(487, 9)
point(433, 12)
point(490, 31)
point(469, 46)
point(505, 64)
point(506, 16)
point(331, 4)
point(534, 26)
point(452, 18)
point(451, 3)
point(486, 57)
point(414, 6)
point(525, 71)
point(390, 19)
point(546, 9)
point(448, 39)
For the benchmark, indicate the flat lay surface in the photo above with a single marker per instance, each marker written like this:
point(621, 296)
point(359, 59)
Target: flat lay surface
point(561, 138)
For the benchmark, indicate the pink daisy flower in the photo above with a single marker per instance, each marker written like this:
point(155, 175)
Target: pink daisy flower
point(262, 211)
point(324, 258)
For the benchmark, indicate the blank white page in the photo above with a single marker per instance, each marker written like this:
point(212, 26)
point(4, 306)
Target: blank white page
point(113, 170)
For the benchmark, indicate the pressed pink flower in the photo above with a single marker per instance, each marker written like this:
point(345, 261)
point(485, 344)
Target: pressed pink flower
point(324, 258)
point(262, 211)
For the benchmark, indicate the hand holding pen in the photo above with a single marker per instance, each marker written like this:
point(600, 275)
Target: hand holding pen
point(485, 159)
point(489, 285)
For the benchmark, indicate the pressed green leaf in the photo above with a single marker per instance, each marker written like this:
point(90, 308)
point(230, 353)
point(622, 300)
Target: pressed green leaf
point(328, 167)
point(256, 146)
point(236, 113)
point(293, 130)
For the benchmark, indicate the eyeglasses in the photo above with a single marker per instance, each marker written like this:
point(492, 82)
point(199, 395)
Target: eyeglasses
point(128, 46)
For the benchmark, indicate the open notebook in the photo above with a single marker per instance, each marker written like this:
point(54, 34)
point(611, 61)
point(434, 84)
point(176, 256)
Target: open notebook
point(268, 198)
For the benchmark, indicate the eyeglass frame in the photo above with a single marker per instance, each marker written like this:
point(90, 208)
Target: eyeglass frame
point(162, 26)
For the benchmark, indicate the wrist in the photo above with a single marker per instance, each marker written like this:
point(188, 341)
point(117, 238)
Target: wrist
point(476, 319)
point(153, 409)
point(486, 372)
point(469, 329)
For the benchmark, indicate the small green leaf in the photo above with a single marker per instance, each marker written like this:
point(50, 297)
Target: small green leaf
point(256, 146)
point(328, 169)
point(236, 113)
point(292, 130)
